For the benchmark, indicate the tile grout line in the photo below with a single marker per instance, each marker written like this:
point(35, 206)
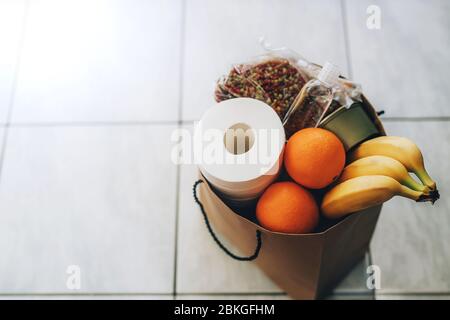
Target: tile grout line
point(346, 39)
point(57, 294)
point(14, 85)
point(368, 260)
point(91, 123)
point(144, 294)
point(348, 56)
point(18, 60)
point(180, 123)
point(384, 292)
point(226, 294)
point(279, 294)
point(416, 119)
point(243, 294)
point(344, 293)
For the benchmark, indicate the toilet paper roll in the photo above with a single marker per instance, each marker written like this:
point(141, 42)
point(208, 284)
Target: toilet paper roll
point(238, 146)
point(238, 192)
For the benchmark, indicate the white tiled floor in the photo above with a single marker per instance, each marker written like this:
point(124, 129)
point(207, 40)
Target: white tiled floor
point(86, 176)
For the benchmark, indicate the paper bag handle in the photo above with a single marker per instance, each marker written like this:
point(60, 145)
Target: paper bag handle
point(208, 225)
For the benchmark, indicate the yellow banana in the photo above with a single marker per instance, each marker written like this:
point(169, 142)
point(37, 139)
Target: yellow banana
point(364, 192)
point(381, 165)
point(399, 148)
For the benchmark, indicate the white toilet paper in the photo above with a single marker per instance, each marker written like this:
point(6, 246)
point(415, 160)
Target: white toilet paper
point(238, 146)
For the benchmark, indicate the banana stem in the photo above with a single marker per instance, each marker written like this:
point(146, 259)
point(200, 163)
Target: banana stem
point(412, 194)
point(426, 179)
point(419, 196)
point(411, 183)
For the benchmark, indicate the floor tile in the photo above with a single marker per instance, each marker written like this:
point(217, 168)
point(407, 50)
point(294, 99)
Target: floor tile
point(234, 297)
point(203, 268)
point(412, 297)
point(12, 13)
point(410, 241)
point(2, 135)
point(100, 198)
point(100, 61)
point(368, 296)
point(269, 297)
point(404, 65)
point(313, 28)
point(355, 280)
point(87, 297)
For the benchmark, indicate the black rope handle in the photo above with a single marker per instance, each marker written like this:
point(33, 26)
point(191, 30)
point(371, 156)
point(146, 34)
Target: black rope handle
point(208, 225)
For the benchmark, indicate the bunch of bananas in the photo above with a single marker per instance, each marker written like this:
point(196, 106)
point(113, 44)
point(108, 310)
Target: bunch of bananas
point(378, 171)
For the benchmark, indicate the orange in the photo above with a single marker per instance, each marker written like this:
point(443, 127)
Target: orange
point(287, 207)
point(314, 157)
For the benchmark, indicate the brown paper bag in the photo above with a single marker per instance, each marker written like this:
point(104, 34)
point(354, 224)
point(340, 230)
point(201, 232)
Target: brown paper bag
point(305, 266)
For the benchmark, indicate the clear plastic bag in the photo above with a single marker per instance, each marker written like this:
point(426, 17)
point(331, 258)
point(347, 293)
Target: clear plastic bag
point(275, 78)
